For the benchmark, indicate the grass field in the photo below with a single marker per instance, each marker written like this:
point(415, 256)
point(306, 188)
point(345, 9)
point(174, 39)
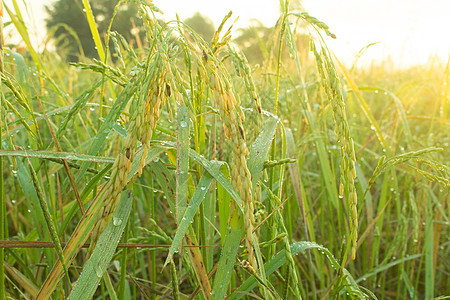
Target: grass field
point(177, 170)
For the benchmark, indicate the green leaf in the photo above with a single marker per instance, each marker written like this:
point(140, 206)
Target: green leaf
point(224, 199)
point(228, 255)
point(260, 149)
point(280, 259)
point(215, 172)
point(22, 70)
point(189, 214)
point(93, 271)
point(182, 161)
point(44, 154)
point(386, 266)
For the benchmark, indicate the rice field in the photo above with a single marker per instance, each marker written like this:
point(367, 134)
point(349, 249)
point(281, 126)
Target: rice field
point(178, 170)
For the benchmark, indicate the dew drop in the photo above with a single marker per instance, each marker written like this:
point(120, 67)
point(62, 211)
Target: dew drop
point(183, 124)
point(117, 221)
point(203, 188)
point(98, 271)
point(84, 9)
point(372, 127)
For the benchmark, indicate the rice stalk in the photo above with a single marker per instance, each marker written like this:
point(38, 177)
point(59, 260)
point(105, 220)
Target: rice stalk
point(331, 84)
point(48, 218)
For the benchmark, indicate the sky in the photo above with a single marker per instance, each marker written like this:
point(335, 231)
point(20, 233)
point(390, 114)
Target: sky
point(408, 31)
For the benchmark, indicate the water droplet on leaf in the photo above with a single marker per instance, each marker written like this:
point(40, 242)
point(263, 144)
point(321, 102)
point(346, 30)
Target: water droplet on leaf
point(117, 221)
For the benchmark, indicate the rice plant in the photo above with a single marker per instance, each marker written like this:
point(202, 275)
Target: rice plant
point(178, 170)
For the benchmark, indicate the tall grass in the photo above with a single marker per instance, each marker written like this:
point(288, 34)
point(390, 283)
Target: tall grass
point(179, 170)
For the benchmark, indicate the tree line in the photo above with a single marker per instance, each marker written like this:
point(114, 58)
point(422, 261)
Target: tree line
point(68, 24)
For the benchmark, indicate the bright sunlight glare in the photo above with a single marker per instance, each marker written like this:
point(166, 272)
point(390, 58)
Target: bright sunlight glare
point(407, 32)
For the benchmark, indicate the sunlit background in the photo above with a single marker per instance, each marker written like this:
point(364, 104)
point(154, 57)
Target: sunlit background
point(409, 32)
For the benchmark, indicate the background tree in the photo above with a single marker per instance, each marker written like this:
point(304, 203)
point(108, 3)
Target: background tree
point(202, 25)
point(253, 41)
point(64, 14)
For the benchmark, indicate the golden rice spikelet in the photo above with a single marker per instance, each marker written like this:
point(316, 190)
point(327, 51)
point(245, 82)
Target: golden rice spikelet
point(143, 122)
point(331, 85)
point(155, 100)
point(232, 118)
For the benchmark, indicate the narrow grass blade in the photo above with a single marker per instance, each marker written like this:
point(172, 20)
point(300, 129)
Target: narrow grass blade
point(94, 31)
point(228, 255)
point(189, 214)
point(182, 161)
point(46, 154)
point(260, 149)
point(19, 24)
point(280, 259)
point(50, 113)
point(48, 218)
point(215, 172)
point(17, 91)
point(152, 154)
point(24, 177)
point(224, 199)
point(79, 103)
point(401, 110)
point(79, 236)
point(71, 209)
point(21, 119)
point(429, 253)
point(22, 70)
point(22, 280)
point(166, 181)
point(93, 271)
point(109, 287)
point(386, 266)
point(198, 266)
